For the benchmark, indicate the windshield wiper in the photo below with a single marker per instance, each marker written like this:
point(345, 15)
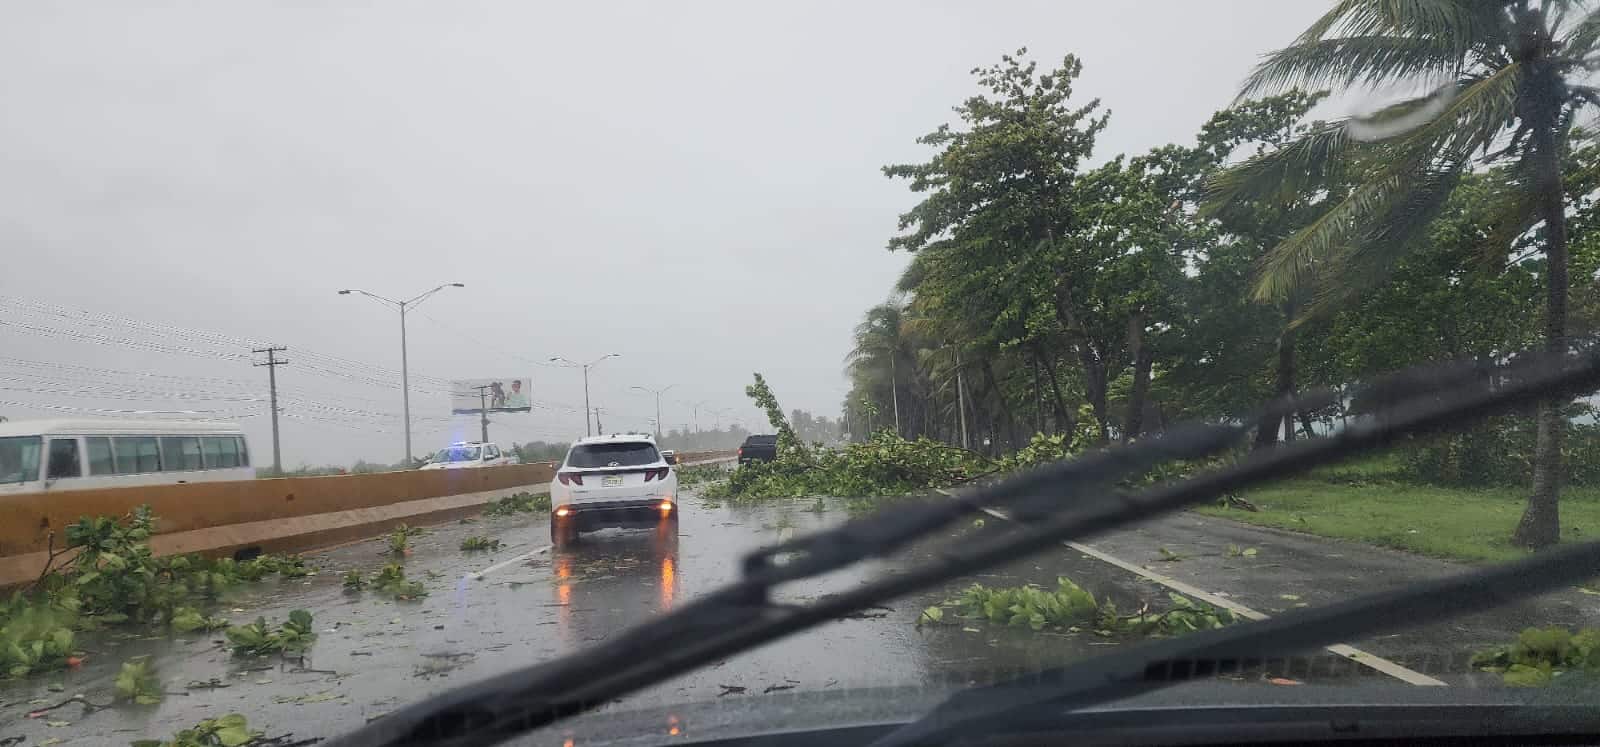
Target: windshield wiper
point(742, 615)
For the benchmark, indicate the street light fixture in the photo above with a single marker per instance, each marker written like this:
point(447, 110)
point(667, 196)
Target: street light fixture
point(405, 379)
point(585, 367)
point(658, 393)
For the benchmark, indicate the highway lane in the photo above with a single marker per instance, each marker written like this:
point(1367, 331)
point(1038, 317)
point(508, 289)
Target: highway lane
point(490, 612)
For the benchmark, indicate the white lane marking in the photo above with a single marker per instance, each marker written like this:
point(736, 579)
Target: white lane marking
point(508, 563)
point(1372, 661)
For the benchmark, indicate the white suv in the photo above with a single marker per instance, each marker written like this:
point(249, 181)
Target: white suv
point(613, 481)
point(466, 454)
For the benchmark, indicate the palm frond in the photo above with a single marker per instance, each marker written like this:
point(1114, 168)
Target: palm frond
point(1474, 117)
point(1293, 262)
point(1351, 60)
point(1299, 166)
point(1581, 39)
point(1394, 230)
point(1513, 210)
point(1459, 22)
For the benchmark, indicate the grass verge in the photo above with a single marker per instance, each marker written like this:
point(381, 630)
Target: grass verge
point(1453, 523)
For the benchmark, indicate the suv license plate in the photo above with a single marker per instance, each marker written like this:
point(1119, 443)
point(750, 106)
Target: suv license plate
point(611, 481)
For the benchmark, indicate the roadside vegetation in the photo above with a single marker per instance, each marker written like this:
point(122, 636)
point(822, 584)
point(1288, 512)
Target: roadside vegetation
point(1457, 497)
point(1542, 655)
point(883, 466)
point(518, 503)
point(1097, 297)
point(109, 578)
point(479, 543)
point(1069, 608)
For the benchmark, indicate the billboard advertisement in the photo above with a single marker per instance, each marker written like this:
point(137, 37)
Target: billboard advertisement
point(503, 394)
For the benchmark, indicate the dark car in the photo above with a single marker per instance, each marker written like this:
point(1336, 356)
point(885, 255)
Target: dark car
point(759, 449)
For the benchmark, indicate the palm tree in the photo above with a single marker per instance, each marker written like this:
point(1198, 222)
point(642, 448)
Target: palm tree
point(1503, 77)
point(880, 340)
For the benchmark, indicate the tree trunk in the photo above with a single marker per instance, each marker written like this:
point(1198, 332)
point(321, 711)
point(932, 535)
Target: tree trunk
point(1005, 407)
point(1038, 398)
point(1066, 421)
point(1140, 354)
point(1541, 520)
point(1283, 386)
point(1094, 368)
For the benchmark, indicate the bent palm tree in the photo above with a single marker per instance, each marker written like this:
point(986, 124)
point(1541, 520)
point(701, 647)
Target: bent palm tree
point(1503, 76)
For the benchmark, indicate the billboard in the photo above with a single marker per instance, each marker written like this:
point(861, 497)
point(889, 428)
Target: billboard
point(503, 394)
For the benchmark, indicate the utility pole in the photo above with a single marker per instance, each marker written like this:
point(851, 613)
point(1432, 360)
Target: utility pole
point(483, 410)
point(272, 387)
point(599, 429)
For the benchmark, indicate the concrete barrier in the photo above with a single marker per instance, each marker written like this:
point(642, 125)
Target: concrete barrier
point(285, 514)
point(26, 521)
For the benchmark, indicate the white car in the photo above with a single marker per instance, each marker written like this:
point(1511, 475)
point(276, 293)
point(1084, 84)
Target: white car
point(613, 481)
point(468, 454)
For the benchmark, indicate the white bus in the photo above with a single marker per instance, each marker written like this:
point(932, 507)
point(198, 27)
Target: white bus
point(48, 455)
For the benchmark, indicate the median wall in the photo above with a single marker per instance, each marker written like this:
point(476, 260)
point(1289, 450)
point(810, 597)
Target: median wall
point(282, 514)
point(26, 521)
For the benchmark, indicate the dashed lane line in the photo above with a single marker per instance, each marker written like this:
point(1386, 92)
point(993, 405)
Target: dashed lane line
point(507, 563)
point(1369, 660)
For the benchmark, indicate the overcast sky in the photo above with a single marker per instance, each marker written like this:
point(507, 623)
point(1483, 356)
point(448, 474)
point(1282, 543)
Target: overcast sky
point(693, 186)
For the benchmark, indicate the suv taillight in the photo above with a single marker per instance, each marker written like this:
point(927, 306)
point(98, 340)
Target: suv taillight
point(569, 478)
point(653, 473)
point(741, 451)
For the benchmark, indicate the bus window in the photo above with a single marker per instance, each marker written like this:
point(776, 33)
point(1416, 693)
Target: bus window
point(136, 454)
point(19, 459)
point(64, 459)
point(222, 452)
point(180, 453)
point(244, 453)
point(100, 461)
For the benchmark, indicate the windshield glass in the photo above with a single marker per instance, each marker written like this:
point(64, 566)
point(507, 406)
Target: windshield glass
point(459, 454)
point(844, 264)
point(19, 458)
point(625, 454)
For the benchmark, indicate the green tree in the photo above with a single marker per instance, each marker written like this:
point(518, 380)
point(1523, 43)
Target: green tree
point(1512, 95)
point(1001, 186)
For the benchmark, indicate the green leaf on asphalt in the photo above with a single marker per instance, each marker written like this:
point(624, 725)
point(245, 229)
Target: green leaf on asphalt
point(1289, 597)
point(1523, 675)
point(931, 615)
point(1249, 552)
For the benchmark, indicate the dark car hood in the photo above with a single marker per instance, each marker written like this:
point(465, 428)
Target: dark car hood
point(1193, 713)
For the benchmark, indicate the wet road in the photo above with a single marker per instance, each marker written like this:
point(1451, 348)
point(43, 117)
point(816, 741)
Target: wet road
point(490, 612)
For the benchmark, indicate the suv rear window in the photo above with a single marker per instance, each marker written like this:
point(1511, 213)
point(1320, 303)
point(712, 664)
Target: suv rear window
point(762, 440)
point(626, 454)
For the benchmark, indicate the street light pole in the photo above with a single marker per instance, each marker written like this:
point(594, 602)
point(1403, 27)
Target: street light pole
point(658, 393)
point(586, 367)
point(405, 375)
